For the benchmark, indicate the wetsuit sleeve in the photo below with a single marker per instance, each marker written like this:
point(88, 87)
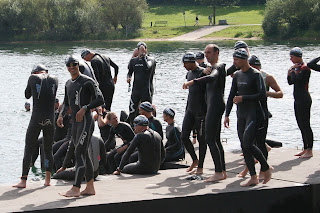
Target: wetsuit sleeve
point(208, 78)
point(232, 94)
point(27, 92)
point(163, 152)
point(303, 76)
point(148, 62)
point(65, 105)
point(97, 98)
point(110, 138)
point(176, 136)
point(313, 64)
point(95, 67)
point(69, 155)
point(133, 145)
point(116, 68)
point(232, 69)
point(130, 69)
point(261, 93)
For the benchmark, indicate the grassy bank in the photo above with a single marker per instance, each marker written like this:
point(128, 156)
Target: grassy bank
point(248, 31)
point(179, 24)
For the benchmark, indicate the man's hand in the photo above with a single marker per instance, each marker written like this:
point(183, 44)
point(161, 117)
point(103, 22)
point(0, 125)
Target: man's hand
point(187, 84)
point(207, 70)
point(115, 79)
point(128, 80)
point(60, 170)
point(237, 99)
point(226, 122)
point(60, 122)
point(80, 114)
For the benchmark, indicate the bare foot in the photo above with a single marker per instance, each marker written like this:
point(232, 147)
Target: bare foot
point(268, 147)
point(267, 175)
point(216, 177)
point(193, 165)
point(225, 176)
point(89, 190)
point(251, 182)
point(73, 192)
point(301, 153)
point(22, 184)
point(198, 171)
point(307, 154)
point(244, 172)
point(261, 175)
point(47, 179)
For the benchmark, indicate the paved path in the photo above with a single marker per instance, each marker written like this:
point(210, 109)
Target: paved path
point(197, 34)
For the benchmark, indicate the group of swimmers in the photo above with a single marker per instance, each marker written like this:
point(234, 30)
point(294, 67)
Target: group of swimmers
point(91, 88)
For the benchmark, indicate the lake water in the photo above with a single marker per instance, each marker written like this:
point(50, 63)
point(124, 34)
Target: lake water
point(17, 61)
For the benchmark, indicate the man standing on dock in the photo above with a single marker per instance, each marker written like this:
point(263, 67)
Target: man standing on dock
point(42, 87)
point(81, 94)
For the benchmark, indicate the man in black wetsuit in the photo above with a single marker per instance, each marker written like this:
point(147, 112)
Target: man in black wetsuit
point(238, 45)
point(174, 147)
point(200, 59)
point(42, 87)
point(82, 94)
point(214, 78)
point(143, 69)
point(150, 148)
point(101, 67)
point(299, 75)
point(146, 109)
point(86, 69)
point(122, 130)
point(195, 114)
point(247, 91)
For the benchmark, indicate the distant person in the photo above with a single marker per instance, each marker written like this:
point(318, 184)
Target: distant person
point(42, 87)
point(101, 66)
point(200, 59)
point(298, 75)
point(27, 106)
point(143, 69)
point(238, 45)
point(174, 147)
point(247, 92)
point(147, 109)
point(197, 21)
point(313, 64)
point(105, 128)
point(82, 94)
point(194, 114)
point(150, 148)
point(210, 20)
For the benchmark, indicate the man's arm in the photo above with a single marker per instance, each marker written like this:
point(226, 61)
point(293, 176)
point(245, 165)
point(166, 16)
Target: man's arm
point(27, 92)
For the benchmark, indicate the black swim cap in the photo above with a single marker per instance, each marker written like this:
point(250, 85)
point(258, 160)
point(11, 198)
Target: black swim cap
point(27, 104)
point(146, 106)
point(296, 51)
point(169, 111)
point(240, 44)
point(56, 100)
point(200, 55)
point(71, 59)
point(189, 57)
point(241, 53)
point(254, 60)
point(141, 120)
point(141, 43)
point(85, 52)
point(38, 68)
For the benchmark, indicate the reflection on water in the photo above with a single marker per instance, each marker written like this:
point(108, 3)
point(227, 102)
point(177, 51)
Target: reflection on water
point(17, 60)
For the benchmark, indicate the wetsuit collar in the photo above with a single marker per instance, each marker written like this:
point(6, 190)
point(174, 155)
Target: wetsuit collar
point(74, 80)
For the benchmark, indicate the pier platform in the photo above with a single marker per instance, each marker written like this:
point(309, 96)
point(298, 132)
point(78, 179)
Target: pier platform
point(294, 187)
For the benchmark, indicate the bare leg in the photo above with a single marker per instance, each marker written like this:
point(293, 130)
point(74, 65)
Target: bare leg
point(244, 172)
point(22, 184)
point(193, 165)
point(89, 190)
point(47, 179)
point(194, 140)
point(73, 192)
point(307, 154)
point(225, 174)
point(215, 177)
point(252, 181)
point(301, 153)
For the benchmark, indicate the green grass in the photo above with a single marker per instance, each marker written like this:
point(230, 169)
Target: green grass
point(176, 22)
point(239, 32)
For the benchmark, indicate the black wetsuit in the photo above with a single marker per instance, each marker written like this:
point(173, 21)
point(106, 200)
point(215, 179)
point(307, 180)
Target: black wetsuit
point(60, 133)
point(124, 131)
point(151, 154)
point(204, 65)
point(85, 69)
point(215, 84)
point(302, 102)
point(251, 87)
point(313, 64)
point(195, 116)
point(155, 125)
point(101, 66)
point(104, 133)
point(174, 146)
point(78, 93)
point(42, 88)
point(143, 70)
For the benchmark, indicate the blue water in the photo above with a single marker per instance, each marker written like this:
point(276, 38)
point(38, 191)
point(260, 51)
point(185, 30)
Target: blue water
point(17, 61)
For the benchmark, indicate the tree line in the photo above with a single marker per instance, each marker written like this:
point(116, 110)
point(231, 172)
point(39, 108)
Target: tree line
point(69, 19)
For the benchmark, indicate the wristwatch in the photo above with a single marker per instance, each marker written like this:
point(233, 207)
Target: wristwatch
point(85, 107)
